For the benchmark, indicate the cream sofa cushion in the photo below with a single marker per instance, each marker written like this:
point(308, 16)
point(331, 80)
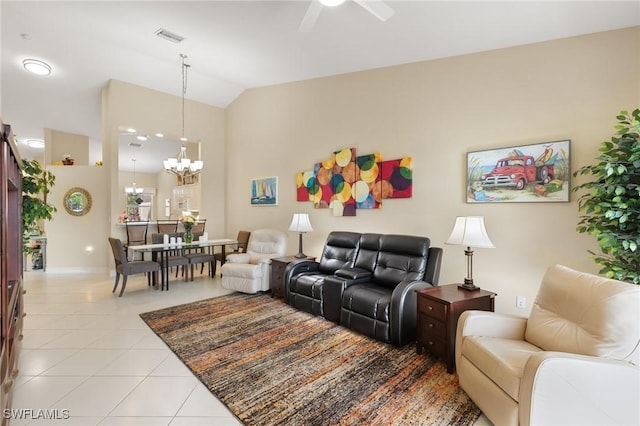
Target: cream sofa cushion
point(564, 318)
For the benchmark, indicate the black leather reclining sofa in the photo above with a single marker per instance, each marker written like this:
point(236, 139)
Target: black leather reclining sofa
point(366, 282)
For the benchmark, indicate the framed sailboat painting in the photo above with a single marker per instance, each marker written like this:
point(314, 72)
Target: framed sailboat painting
point(264, 191)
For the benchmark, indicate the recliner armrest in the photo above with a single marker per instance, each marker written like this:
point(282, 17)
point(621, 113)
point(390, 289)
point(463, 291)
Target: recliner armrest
point(491, 324)
point(295, 268)
point(565, 388)
point(404, 311)
point(359, 274)
point(238, 258)
point(332, 290)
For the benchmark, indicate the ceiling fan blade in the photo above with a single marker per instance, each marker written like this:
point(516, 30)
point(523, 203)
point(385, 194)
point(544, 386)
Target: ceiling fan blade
point(377, 8)
point(310, 18)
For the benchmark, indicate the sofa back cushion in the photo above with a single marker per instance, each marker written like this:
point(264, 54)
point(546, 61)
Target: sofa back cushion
point(368, 252)
point(401, 258)
point(586, 314)
point(339, 251)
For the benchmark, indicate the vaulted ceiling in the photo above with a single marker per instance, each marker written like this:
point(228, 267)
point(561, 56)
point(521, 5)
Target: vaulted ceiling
point(235, 45)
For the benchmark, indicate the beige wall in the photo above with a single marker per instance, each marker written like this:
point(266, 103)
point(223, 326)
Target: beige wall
point(58, 144)
point(78, 243)
point(435, 112)
point(150, 111)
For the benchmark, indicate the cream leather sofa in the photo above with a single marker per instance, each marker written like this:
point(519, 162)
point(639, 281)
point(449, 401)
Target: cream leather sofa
point(574, 361)
point(250, 272)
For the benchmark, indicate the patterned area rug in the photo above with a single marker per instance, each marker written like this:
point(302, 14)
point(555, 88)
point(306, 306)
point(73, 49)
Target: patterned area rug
point(271, 364)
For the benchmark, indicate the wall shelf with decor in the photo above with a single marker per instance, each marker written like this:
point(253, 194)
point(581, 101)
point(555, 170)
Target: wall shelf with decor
point(11, 306)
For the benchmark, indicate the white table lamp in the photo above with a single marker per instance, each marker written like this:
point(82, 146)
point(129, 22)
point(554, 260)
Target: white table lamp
point(300, 223)
point(469, 231)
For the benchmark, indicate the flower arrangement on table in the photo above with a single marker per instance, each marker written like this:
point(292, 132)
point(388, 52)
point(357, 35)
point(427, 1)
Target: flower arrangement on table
point(188, 221)
point(122, 218)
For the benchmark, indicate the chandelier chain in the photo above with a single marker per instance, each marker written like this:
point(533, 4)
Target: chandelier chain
point(185, 68)
point(181, 165)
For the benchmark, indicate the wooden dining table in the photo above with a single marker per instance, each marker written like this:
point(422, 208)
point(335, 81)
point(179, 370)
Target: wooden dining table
point(164, 250)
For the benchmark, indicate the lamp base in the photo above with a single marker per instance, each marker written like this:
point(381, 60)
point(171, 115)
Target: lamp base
point(300, 255)
point(468, 287)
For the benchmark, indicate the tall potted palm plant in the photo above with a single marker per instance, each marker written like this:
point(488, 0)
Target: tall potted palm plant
point(36, 185)
point(611, 203)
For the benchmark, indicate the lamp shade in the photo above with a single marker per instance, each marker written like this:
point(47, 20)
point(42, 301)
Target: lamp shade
point(300, 223)
point(470, 231)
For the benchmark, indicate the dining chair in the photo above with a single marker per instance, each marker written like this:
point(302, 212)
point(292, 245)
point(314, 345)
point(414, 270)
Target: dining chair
point(241, 247)
point(198, 227)
point(174, 259)
point(167, 226)
point(136, 235)
point(199, 255)
point(125, 267)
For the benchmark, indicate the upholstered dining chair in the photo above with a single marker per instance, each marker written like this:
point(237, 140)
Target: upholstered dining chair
point(136, 235)
point(198, 255)
point(198, 227)
point(174, 259)
point(167, 226)
point(241, 247)
point(125, 267)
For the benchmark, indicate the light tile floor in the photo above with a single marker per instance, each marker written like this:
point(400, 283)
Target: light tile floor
point(88, 352)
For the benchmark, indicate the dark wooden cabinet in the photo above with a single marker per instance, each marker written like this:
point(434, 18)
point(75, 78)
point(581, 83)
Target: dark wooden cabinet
point(438, 311)
point(278, 266)
point(11, 307)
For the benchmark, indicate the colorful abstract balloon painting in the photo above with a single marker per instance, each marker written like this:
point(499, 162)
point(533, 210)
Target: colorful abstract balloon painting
point(346, 182)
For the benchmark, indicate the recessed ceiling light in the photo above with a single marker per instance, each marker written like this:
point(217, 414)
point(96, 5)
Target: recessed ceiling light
point(35, 143)
point(36, 66)
point(141, 137)
point(131, 130)
point(159, 135)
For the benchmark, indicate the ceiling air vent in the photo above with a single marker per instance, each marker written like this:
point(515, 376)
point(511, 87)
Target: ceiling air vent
point(135, 144)
point(168, 35)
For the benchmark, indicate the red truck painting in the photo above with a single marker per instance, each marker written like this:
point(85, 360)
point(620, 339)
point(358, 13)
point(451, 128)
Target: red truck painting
point(517, 170)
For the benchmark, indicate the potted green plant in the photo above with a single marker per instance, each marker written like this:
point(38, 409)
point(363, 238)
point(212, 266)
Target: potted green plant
point(611, 205)
point(36, 185)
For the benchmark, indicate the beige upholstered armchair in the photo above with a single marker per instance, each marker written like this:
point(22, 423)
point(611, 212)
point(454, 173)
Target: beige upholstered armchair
point(250, 272)
point(574, 361)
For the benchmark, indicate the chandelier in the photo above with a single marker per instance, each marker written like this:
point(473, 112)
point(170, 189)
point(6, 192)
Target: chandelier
point(133, 189)
point(181, 165)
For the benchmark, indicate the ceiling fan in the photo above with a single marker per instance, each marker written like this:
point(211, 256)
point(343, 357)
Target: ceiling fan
point(377, 8)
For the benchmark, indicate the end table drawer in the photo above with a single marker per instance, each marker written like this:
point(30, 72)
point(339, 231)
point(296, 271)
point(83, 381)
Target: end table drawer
point(432, 326)
point(432, 308)
point(433, 345)
point(277, 273)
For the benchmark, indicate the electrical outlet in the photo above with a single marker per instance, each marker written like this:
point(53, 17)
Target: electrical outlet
point(521, 302)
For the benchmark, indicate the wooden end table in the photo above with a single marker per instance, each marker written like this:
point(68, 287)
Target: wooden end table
point(438, 311)
point(278, 266)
